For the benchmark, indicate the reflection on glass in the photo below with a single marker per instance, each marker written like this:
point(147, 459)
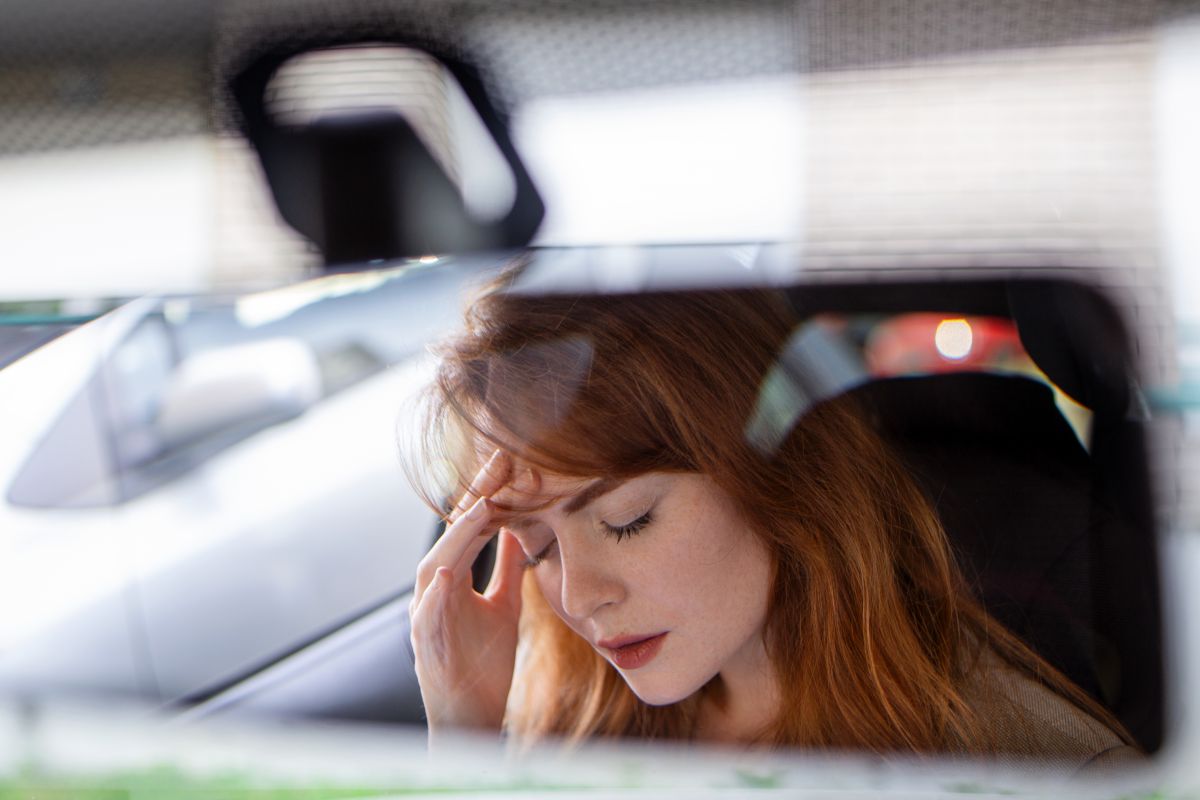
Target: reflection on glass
point(953, 339)
point(933, 342)
point(348, 82)
point(232, 465)
point(725, 529)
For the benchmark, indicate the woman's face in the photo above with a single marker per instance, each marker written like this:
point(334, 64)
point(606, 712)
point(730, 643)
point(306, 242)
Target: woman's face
point(658, 573)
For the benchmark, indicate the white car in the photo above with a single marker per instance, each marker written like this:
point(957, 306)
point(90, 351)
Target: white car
point(193, 490)
point(233, 533)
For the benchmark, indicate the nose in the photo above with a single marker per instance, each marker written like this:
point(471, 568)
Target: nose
point(587, 586)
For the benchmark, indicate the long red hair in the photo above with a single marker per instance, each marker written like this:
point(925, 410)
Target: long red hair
point(871, 628)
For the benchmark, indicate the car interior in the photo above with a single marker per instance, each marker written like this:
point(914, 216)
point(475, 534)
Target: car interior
point(1042, 475)
point(1072, 567)
point(1056, 534)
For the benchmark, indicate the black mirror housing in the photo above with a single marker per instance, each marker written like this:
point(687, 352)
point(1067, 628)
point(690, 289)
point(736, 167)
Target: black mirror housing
point(364, 186)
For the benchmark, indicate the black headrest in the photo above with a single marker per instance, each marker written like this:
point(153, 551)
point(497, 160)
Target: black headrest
point(1077, 338)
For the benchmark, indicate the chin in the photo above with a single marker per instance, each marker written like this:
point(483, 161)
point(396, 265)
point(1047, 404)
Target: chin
point(654, 691)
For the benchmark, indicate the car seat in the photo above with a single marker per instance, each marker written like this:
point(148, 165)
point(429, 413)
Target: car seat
point(1056, 539)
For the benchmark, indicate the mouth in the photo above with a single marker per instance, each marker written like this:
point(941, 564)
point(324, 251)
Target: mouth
point(632, 652)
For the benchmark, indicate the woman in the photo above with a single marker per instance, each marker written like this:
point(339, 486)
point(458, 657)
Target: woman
point(660, 573)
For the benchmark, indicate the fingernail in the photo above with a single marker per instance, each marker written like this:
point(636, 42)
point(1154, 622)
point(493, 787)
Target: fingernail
point(479, 509)
point(499, 465)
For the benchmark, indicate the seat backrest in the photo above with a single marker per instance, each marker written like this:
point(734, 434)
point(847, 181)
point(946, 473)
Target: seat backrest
point(1017, 493)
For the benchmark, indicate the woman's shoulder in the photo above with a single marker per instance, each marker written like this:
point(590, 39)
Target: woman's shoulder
point(1029, 721)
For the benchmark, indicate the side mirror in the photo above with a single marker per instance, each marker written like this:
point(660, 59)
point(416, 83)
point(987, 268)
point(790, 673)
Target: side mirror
point(245, 387)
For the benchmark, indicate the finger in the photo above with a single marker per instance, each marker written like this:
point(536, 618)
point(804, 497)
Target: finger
point(460, 537)
point(466, 560)
point(428, 632)
point(505, 583)
point(491, 476)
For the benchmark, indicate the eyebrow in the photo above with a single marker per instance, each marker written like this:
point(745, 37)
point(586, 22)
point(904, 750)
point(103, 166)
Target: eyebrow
point(589, 495)
point(592, 492)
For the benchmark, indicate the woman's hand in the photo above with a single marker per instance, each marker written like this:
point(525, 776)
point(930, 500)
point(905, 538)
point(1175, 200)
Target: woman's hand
point(465, 643)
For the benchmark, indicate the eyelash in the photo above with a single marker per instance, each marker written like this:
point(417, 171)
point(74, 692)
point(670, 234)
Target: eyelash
point(533, 561)
point(629, 529)
point(617, 532)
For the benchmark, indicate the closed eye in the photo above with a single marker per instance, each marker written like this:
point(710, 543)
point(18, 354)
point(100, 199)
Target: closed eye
point(628, 529)
point(618, 532)
point(533, 561)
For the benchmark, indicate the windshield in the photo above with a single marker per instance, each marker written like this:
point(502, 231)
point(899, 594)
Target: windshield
point(843, 402)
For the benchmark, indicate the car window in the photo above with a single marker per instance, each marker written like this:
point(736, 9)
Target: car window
point(138, 383)
point(981, 224)
point(26, 326)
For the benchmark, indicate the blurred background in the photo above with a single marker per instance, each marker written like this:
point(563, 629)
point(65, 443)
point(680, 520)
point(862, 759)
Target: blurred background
point(162, 544)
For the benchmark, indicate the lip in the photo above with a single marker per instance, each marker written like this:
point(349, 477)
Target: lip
point(632, 652)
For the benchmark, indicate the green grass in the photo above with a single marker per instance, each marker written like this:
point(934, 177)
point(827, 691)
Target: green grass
point(169, 783)
point(166, 783)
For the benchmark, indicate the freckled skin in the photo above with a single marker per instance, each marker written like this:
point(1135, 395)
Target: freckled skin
point(694, 571)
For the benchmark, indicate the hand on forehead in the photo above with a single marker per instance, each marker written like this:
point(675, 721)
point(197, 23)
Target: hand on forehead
point(531, 488)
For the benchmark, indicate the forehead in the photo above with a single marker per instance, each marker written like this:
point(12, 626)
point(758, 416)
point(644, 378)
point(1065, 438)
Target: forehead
point(531, 490)
point(529, 486)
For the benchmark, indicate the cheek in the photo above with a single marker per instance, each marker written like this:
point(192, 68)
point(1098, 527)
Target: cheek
point(549, 582)
point(749, 584)
point(550, 586)
point(726, 570)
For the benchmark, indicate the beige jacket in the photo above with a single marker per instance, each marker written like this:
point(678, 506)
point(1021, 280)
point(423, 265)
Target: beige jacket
point(1034, 724)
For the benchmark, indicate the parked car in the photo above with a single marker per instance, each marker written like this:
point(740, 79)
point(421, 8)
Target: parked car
point(202, 499)
point(193, 488)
